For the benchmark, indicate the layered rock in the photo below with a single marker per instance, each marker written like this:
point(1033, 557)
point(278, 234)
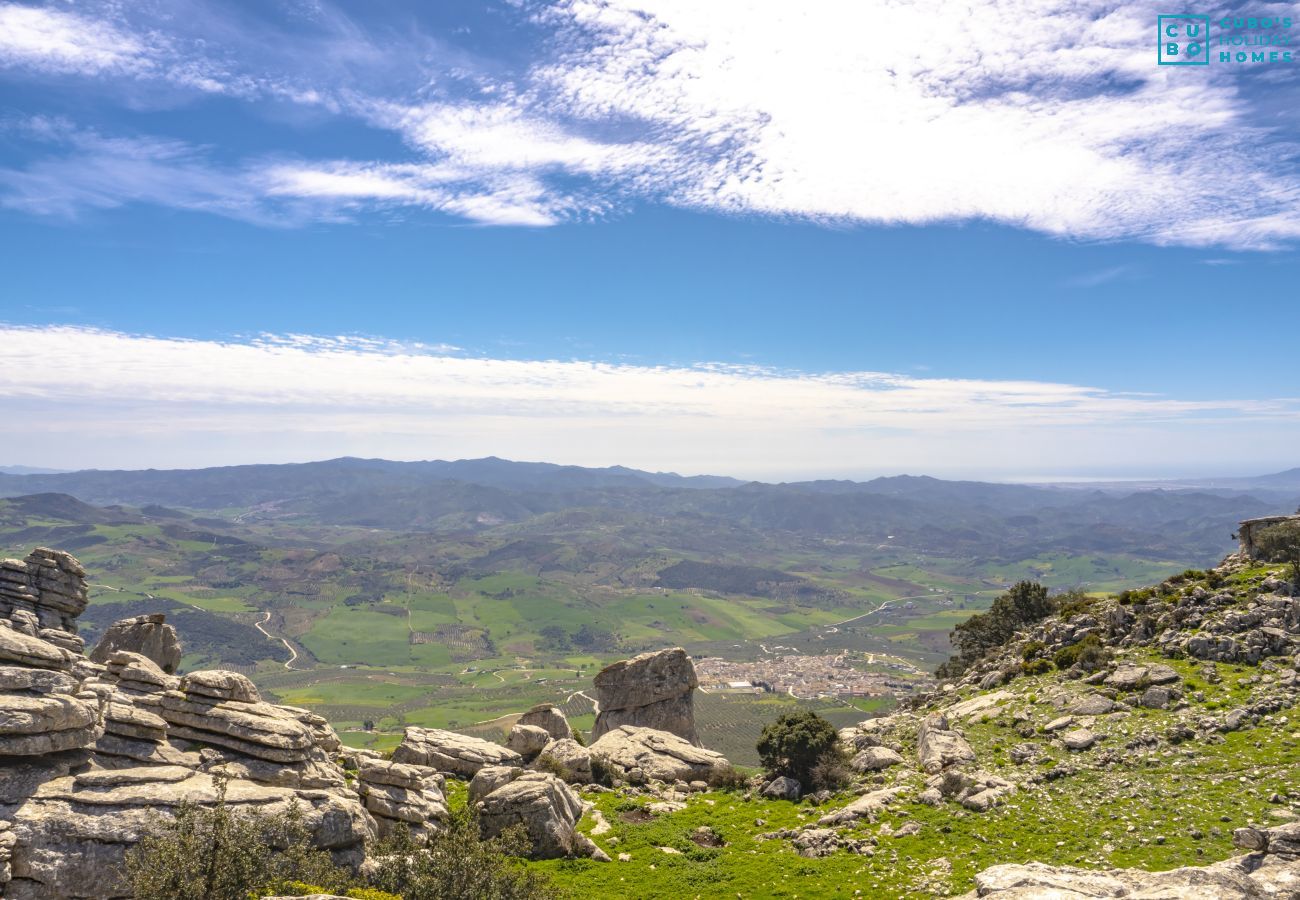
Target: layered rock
point(148, 636)
point(568, 759)
point(653, 690)
point(397, 792)
point(643, 754)
point(938, 746)
point(91, 754)
point(550, 719)
point(451, 753)
point(543, 804)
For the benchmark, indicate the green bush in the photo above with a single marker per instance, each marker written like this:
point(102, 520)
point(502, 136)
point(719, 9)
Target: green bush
point(728, 778)
point(457, 863)
point(1036, 667)
point(795, 743)
point(1089, 654)
point(1280, 543)
point(223, 854)
point(1033, 650)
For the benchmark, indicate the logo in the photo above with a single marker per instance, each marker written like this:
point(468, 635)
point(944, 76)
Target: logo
point(1183, 40)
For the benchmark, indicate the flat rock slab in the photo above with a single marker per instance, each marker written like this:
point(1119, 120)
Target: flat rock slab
point(452, 753)
point(657, 755)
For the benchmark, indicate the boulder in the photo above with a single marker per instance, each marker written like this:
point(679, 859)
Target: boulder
point(452, 753)
point(783, 788)
point(148, 636)
point(568, 759)
point(938, 747)
point(549, 718)
point(527, 740)
point(396, 792)
point(543, 804)
point(875, 759)
point(1224, 881)
point(653, 690)
point(489, 778)
point(1079, 739)
point(657, 755)
point(865, 807)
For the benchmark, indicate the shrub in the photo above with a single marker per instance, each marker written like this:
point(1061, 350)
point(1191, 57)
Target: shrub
point(222, 854)
point(1089, 654)
point(831, 772)
point(457, 863)
point(1281, 543)
point(1074, 603)
point(728, 778)
point(1036, 667)
point(795, 743)
point(1033, 650)
point(602, 772)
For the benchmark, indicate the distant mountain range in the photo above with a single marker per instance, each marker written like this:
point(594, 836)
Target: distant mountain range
point(1171, 520)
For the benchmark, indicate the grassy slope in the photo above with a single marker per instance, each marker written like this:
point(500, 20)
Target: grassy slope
point(1156, 808)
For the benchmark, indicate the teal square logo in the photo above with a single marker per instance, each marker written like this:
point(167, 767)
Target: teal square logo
point(1183, 40)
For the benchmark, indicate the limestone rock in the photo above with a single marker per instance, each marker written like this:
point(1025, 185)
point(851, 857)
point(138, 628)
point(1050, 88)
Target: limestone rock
point(783, 788)
point(875, 759)
point(452, 753)
point(489, 778)
point(653, 690)
point(527, 740)
point(549, 718)
point(657, 755)
point(220, 685)
point(569, 759)
point(1079, 739)
point(148, 636)
point(543, 804)
point(938, 747)
point(865, 807)
point(396, 792)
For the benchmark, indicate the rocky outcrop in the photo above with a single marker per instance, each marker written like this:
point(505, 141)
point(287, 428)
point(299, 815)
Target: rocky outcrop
point(148, 636)
point(543, 804)
point(1272, 871)
point(550, 719)
point(568, 759)
point(452, 753)
point(642, 754)
point(397, 792)
point(91, 754)
point(653, 690)
point(938, 746)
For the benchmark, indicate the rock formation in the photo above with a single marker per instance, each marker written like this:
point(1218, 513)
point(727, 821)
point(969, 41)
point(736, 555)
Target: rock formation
point(150, 636)
point(452, 753)
point(653, 690)
point(91, 754)
point(643, 754)
point(543, 804)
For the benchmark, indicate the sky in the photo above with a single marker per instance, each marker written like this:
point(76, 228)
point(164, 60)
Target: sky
point(770, 240)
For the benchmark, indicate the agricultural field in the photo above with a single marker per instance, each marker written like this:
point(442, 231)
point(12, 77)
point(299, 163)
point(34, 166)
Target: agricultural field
point(464, 630)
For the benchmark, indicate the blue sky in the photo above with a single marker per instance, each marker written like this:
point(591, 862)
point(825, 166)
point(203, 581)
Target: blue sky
point(755, 239)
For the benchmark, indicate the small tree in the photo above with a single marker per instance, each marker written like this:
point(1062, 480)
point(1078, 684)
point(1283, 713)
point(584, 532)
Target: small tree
point(457, 863)
point(1026, 603)
point(795, 743)
point(1281, 543)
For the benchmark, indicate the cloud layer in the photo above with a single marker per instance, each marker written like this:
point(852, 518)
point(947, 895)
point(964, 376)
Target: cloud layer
point(102, 398)
point(1053, 119)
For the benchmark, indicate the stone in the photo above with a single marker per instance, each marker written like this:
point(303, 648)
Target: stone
point(220, 685)
point(783, 788)
point(653, 690)
point(25, 650)
point(1036, 880)
point(452, 753)
point(1093, 705)
point(257, 729)
point(1127, 677)
point(489, 778)
point(1079, 739)
point(549, 718)
point(34, 724)
point(657, 754)
point(865, 807)
point(1156, 697)
point(543, 804)
point(938, 747)
point(528, 740)
point(1162, 674)
point(875, 759)
point(568, 759)
point(148, 636)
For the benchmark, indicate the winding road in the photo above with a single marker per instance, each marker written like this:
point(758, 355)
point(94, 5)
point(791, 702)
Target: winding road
point(293, 654)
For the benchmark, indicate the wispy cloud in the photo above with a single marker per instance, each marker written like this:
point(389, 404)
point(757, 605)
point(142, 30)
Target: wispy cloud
point(328, 395)
point(835, 111)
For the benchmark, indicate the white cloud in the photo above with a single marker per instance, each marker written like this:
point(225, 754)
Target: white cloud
point(1056, 120)
point(162, 401)
point(54, 40)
